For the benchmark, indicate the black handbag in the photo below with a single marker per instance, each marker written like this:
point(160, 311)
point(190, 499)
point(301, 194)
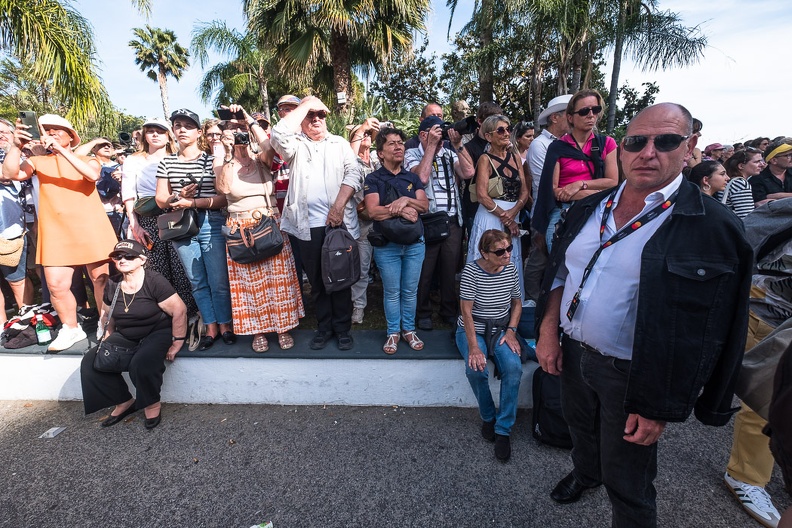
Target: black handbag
point(114, 356)
point(247, 245)
point(397, 230)
point(437, 226)
point(182, 223)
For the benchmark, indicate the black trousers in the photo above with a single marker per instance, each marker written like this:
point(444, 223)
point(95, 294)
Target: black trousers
point(593, 387)
point(333, 310)
point(106, 389)
point(442, 257)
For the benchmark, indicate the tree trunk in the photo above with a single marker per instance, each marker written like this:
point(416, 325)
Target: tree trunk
point(264, 94)
point(577, 68)
point(537, 69)
point(342, 71)
point(486, 82)
point(617, 57)
point(163, 86)
point(563, 67)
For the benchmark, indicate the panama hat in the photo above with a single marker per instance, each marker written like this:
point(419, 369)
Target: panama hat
point(53, 120)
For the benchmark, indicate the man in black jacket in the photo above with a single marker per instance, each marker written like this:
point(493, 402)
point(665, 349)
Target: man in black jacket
point(649, 284)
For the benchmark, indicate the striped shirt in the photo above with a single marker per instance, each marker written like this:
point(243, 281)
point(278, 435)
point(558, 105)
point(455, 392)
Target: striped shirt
point(738, 197)
point(442, 189)
point(178, 173)
point(491, 293)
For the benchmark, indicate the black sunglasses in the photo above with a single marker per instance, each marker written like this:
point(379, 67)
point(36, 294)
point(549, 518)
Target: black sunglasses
point(502, 130)
point(321, 114)
point(583, 112)
point(124, 257)
point(662, 142)
point(502, 251)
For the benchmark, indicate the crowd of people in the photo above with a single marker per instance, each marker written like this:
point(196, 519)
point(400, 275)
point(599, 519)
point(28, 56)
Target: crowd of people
point(632, 253)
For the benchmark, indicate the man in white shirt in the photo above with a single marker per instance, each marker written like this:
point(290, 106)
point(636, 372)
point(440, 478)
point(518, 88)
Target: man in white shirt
point(552, 118)
point(324, 176)
point(649, 284)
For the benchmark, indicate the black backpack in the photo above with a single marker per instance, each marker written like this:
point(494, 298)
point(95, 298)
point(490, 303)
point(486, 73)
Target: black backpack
point(549, 425)
point(340, 259)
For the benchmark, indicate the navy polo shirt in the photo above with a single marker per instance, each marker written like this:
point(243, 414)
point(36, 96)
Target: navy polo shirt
point(406, 182)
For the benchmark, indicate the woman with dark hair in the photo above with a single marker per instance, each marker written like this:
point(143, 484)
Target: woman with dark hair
point(710, 176)
point(138, 190)
point(521, 137)
point(760, 143)
point(491, 306)
point(696, 157)
point(579, 164)
point(740, 167)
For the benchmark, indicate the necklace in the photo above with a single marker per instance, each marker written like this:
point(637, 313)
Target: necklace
point(127, 305)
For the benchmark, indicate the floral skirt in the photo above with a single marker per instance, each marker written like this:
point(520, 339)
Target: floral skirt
point(265, 295)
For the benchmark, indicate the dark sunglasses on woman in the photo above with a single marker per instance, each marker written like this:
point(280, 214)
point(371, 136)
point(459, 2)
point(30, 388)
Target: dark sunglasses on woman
point(662, 142)
point(503, 130)
point(124, 257)
point(583, 112)
point(502, 251)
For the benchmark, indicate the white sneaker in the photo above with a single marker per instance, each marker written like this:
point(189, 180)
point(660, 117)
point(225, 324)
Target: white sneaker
point(357, 316)
point(755, 500)
point(67, 337)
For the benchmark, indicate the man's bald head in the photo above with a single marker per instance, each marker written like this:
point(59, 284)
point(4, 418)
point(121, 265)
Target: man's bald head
point(685, 114)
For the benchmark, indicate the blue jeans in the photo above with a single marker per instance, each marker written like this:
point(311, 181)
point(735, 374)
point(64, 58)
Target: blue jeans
point(510, 369)
point(400, 269)
point(555, 217)
point(204, 259)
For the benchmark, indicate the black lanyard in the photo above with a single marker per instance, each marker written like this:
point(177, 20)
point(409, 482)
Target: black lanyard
point(619, 235)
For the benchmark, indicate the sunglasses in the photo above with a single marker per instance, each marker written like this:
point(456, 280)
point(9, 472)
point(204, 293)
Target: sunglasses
point(502, 130)
point(502, 251)
point(321, 114)
point(583, 112)
point(123, 257)
point(662, 142)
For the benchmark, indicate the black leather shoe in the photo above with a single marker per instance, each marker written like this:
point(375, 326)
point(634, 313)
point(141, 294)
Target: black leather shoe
point(206, 342)
point(151, 423)
point(502, 448)
point(425, 323)
point(112, 420)
point(488, 431)
point(319, 340)
point(229, 337)
point(345, 341)
point(568, 490)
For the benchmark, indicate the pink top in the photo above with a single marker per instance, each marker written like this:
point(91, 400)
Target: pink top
point(572, 170)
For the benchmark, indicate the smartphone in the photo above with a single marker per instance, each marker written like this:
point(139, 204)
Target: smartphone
point(185, 183)
point(29, 119)
point(225, 114)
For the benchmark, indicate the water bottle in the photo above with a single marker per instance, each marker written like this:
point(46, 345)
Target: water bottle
point(43, 335)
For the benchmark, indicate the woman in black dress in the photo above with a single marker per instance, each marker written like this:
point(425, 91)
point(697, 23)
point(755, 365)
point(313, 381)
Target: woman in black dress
point(148, 315)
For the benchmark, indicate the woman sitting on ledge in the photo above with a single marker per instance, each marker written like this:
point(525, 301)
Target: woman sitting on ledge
point(148, 315)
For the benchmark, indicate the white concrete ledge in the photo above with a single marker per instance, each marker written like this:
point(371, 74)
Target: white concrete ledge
point(416, 383)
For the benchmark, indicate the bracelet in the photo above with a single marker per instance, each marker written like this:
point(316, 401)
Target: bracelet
point(227, 161)
point(195, 203)
point(174, 338)
point(493, 209)
point(512, 328)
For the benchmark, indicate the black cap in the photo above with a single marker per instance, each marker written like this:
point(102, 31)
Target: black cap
point(128, 247)
point(189, 114)
point(429, 122)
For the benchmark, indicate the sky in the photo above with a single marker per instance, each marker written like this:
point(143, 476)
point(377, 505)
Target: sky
point(737, 89)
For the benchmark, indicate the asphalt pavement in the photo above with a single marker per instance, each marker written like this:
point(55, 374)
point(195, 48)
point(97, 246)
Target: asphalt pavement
point(240, 465)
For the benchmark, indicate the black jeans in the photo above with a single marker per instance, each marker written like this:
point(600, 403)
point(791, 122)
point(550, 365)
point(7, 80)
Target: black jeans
point(333, 310)
point(443, 257)
point(593, 387)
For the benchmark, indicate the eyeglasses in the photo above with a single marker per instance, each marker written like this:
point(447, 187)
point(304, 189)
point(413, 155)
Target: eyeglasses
point(502, 251)
point(502, 130)
point(583, 112)
point(213, 134)
point(662, 142)
point(321, 114)
point(124, 257)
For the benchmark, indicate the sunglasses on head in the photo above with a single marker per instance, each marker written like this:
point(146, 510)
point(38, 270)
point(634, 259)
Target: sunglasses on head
point(583, 112)
point(124, 257)
point(321, 114)
point(662, 143)
point(502, 251)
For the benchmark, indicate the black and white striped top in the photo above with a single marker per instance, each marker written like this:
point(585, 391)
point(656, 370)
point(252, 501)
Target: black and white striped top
point(738, 197)
point(491, 293)
point(178, 173)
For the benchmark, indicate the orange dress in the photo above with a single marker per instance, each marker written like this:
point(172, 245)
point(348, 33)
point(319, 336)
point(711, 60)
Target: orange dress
point(73, 226)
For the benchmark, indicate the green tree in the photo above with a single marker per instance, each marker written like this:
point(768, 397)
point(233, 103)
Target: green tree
point(633, 102)
point(344, 34)
point(409, 80)
point(159, 55)
point(244, 78)
point(56, 43)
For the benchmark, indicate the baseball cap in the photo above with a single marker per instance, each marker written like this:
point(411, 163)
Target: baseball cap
point(288, 100)
point(159, 123)
point(712, 147)
point(132, 248)
point(189, 114)
point(429, 122)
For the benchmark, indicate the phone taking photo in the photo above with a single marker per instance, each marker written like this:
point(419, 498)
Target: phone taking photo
point(29, 119)
point(225, 114)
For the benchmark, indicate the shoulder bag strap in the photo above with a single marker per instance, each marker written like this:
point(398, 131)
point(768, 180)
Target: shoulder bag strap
point(110, 313)
point(447, 179)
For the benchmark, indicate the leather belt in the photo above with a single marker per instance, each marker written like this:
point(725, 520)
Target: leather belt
point(581, 344)
point(255, 214)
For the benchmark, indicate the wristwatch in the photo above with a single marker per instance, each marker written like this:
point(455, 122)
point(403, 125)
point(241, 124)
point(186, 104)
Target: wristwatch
point(174, 338)
point(512, 328)
point(585, 186)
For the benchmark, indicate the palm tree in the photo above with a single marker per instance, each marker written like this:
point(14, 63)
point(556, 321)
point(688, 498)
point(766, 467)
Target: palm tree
point(159, 55)
point(58, 43)
point(247, 72)
point(344, 33)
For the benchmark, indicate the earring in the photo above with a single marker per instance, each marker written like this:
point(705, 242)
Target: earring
point(706, 186)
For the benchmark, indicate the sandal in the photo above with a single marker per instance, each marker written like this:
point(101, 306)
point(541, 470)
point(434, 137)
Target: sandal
point(391, 344)
point(260, 343)
point(412, 339)
point(285, 341)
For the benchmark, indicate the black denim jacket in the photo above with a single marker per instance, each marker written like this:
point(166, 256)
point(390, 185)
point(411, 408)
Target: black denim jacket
point(692, 308)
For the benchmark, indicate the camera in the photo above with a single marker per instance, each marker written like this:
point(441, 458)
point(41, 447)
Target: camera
point(462, 127)
point(125, 139)
point(241, 138)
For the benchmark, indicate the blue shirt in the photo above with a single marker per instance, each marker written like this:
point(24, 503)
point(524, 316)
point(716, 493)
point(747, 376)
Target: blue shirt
point(406, 182)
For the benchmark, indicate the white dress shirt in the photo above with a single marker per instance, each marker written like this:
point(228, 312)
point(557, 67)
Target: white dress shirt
point(605, 318)
point(537, 152)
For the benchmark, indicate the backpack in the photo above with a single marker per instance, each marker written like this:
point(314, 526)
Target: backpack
point(549, 425)
point(340, 259)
